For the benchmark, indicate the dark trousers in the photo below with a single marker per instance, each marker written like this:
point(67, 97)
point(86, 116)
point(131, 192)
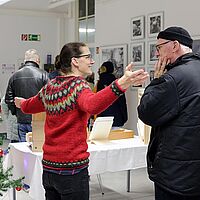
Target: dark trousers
point(161, 194)
point(66, 187)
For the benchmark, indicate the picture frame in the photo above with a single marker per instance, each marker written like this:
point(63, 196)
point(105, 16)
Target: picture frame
point(133, 88)
point(196, 44)
point(117, 54)
point(151, 72)
point(155, 23)
point(152, 52)
point(137, 53)
point(137, 27)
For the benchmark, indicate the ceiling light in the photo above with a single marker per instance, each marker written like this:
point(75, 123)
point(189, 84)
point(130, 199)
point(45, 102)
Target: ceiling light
point(4, 1)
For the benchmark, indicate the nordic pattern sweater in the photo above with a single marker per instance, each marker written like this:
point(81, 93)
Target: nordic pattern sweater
point(68, 103)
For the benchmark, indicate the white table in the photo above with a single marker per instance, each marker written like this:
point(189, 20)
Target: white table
point(118, 155)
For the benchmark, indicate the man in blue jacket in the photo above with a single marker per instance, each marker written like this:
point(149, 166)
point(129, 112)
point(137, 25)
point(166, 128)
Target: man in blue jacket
point(171, 106)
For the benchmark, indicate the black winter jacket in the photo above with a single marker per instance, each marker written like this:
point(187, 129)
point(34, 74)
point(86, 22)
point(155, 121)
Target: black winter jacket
point(119, 108)
point(171, 105)
point(25, 83)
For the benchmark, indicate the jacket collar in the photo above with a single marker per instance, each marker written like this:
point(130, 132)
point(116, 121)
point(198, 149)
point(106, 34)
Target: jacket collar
point(32, 64)
point(182, 59)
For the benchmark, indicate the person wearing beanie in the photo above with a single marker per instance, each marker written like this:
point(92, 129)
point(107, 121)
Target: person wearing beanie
point(119, 108)
point(171, 106)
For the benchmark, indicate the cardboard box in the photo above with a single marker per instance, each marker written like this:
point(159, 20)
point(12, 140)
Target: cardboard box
point(37, 146)
point(38, 131)
point(144, 131)
point(147, 133)
point(120, 134)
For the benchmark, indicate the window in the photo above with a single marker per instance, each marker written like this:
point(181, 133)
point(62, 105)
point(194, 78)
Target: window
point(86, 21)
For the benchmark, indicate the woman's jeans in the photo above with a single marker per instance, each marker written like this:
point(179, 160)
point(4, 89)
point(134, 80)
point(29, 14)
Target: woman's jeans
point(66, 187)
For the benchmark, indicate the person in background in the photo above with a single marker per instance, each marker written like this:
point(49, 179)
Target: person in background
point(57, 67)
point(26, 82)
point(90, 80)
point(119, 108)
point(11, 122)
point(68, 102)
point(171, 106)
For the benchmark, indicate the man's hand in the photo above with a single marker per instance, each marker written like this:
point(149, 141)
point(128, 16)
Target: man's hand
point(160, 67)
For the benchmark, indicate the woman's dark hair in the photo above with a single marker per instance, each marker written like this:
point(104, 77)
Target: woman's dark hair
point(69, 51)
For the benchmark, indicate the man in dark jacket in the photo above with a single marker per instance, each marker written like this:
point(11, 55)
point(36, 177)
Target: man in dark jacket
point(25, 83)
point(171, 106)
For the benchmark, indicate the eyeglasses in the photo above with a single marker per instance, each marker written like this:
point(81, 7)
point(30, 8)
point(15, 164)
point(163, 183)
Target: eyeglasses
point(88, 56)
point(160, 45)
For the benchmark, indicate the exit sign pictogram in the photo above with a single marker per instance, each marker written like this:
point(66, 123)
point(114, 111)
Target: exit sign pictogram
point(30, 37)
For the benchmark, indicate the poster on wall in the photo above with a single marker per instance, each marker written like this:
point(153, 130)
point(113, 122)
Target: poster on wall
point(152, 57)
point(137, 28)
point(117, 54)
point(155, 23)
point(8, 68)
point(137, 53)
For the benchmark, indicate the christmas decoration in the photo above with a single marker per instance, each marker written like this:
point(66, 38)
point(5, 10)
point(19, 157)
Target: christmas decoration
point(26, 187)
point(18, 188)
point(6, 180)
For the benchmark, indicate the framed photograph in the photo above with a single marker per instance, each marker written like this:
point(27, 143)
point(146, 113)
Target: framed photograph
point(155, 23)
point(132, 88)
point(152, 58)
point(196, 44)
point(137, 28)
point(117, 54)
point(151, 73)
point(137, 53)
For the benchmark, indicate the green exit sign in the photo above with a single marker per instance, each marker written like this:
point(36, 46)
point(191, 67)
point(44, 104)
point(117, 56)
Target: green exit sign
point(30, 37)
point(33, 37)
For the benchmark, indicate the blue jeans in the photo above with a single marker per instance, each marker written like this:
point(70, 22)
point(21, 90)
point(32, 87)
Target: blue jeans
point(66, 187)
point(22, 130)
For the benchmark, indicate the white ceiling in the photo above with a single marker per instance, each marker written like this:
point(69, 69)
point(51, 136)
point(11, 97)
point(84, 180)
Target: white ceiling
point(33, 5)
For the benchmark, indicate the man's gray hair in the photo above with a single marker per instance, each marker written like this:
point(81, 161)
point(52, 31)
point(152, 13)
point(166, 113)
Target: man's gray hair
point(32, 55)
point(185, 48)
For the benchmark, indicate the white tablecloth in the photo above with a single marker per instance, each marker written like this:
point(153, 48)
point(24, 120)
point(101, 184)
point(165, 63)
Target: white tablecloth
point(117, 155)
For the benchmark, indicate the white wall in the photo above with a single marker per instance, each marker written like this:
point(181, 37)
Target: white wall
point(113, 27)
point(15, 23)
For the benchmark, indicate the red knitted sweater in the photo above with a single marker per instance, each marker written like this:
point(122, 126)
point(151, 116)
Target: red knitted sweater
point(68, 103)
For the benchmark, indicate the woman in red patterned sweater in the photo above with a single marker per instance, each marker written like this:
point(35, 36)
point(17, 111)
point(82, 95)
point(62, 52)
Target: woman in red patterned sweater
point(68, 102)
